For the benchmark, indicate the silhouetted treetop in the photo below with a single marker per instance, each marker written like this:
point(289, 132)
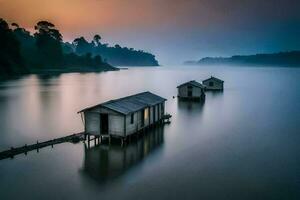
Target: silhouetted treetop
point(44, 50)
point(115, 55)
point(97, 39)
point(11, 61)
point(48, 29)
point(15, 25)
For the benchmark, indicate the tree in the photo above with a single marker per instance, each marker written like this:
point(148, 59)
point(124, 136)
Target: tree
point(15, 25)
point(48, 41)
point(48, 29)
point(118, 46)
point(82, 46)
point(97, 39)
point(11, 61)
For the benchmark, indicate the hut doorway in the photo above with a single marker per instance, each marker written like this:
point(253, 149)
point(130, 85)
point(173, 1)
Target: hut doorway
point(190, 91)
point(154, 113)
point(143, 117)
point(104, 123)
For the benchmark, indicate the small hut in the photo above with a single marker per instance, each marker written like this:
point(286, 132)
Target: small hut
point(125, 116)
point(213, 83)
point(191, 90)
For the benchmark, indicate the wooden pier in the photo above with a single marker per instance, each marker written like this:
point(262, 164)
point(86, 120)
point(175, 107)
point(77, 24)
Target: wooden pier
point(38, 145)
point(74, 138)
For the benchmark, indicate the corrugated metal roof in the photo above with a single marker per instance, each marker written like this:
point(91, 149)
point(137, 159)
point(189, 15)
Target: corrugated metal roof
point(214, 78)
point(193, 83)
point(131, 104)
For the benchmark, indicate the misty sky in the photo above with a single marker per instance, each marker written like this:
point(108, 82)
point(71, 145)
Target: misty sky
point(174, 30)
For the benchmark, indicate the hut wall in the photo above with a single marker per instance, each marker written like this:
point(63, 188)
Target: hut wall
point(183, 91)
point(156, 112)
point(149, 119)
point(216, 85)
point(197, 92)
point(141, 116)
point(159, 111)
point(116, 125)
point(131, 127)
point(92, 123)
point(162, 109)
point(151, 115)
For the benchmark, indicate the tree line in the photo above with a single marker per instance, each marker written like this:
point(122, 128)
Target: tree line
point(115, 55)
point(44, 50)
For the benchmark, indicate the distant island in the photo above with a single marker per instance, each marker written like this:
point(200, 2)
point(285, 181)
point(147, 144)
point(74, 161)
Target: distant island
point(289, 58)
point(45, 52)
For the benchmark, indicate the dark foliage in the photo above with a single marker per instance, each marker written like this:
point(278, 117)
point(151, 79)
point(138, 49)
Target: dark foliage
point(48, 42)
point(117, 55)
point(289, 59)
point(11, 61)
point(42, 52)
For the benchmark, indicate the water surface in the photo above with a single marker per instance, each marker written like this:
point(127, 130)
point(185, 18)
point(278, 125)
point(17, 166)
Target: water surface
point(242, 143)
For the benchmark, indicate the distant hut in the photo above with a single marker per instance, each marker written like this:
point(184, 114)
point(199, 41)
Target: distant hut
point(125, 116)
point(213, 83)
point(191, 90)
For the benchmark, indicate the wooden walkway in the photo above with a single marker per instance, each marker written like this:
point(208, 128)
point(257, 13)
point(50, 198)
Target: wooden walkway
point(74, 138)
point(26, 148)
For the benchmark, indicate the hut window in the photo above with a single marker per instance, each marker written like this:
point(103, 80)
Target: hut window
point(146, 113)
point(211, 83)
point(132, 118)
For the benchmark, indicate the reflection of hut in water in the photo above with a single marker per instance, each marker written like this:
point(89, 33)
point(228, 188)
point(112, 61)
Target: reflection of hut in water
point(103, 163)
point(191, 90)
point(190, 106)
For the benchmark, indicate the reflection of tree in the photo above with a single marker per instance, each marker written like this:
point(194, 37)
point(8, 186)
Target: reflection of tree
point(190, 106)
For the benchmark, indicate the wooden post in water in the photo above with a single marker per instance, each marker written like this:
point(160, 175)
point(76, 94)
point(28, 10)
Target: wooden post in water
point(37, 143)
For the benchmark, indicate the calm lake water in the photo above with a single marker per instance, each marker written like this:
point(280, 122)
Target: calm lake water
point(243, 143)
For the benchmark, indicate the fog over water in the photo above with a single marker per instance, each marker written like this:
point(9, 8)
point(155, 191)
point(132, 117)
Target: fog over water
point(242, 143)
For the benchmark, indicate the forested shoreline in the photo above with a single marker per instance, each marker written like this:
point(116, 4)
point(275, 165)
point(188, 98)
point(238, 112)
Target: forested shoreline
point(45, 52)
point(283, 59)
